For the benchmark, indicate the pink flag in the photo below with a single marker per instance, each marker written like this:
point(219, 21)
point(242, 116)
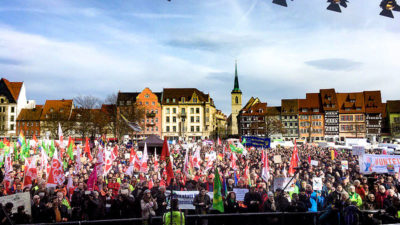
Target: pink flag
point(92, 179)
point(155, 162)
point(233, 164)
point(143, 161)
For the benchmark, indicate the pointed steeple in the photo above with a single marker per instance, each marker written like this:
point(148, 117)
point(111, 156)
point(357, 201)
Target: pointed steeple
point(236, 84)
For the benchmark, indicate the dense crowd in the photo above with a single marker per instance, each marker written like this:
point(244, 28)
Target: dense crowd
point(122, 194)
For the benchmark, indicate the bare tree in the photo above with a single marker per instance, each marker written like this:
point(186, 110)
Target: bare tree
point(53, 119)
point(273, 126)
point(111, 99)
point(87, 102)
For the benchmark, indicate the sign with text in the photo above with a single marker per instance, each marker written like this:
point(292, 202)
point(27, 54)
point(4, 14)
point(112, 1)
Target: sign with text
point(317, 184)
point(257, 142)
point(314, 163)
point(240, 193)
point(185, 198)
point(345, 165)
point(378, 163)
point(277, 159)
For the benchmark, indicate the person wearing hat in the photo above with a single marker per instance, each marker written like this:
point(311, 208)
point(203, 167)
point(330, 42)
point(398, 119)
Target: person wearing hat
point(178, 217)
point(148, 206)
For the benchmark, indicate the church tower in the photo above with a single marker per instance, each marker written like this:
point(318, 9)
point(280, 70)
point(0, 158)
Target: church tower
point(236, 101)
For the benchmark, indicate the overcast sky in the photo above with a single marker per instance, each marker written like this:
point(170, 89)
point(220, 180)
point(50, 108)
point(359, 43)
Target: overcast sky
point(62, 49)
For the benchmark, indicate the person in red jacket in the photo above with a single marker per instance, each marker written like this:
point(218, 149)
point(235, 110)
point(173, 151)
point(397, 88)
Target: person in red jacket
point(380, 196)
point(114, 185)
point(359, 189)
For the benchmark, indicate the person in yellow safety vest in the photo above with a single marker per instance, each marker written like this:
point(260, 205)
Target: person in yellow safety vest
point(354, 197)
point(178, 218)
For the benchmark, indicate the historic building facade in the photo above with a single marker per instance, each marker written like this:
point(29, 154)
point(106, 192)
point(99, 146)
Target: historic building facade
point(28, 121)
point(373, 115)
point(290, 118)
point(331, 114)
point(311, 118)
point(351, 115)
point(393, 118)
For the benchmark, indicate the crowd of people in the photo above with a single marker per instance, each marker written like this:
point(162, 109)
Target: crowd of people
point(121, 193)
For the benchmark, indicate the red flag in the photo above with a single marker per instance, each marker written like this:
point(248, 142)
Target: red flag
point(92, 179)
point(295, 159)
point(35, 139)
point(132, 155)
point(166, 157)
point(87, 149)
point(56, 175)
point(309, 160)
point(265, 170)
point(30, 172)
point(115, 150)
point(219, 142)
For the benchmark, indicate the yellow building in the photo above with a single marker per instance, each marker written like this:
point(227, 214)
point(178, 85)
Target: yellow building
point(187, 113)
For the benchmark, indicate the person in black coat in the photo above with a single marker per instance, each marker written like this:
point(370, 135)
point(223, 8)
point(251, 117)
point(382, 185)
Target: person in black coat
point(252, 200)
point(161, 202)
point(20, 217)
point(230, 203)
point(57, 212)
point(38, 210)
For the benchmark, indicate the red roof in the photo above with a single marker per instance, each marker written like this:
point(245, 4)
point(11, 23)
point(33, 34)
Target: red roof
point(328, 99)
point(258, 109)
point(351, 102)
point(311, 103)
point(60, 106)
point(14, 88)
point(373, 102)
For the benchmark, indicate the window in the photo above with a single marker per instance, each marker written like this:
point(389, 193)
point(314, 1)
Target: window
point(167, 119)
point(147, 129)
point(304, 110)
point(174, 110)
point(192, 119)
point(183, 99)
point(197, 119)
point(192, 110)
point(156, 111)
point(192, 128)
point(51, 109)
point(236, 100)
point(147, 96)
point(152, 120)
point(140, 103)
point(36, 132)
point(147, 120)
point(153, 103)
point(128, 102)
point(197, 110)
point(173, 100)
point(197, 128)
point(156, 120)
point(174, 128)
point(359, 117)
point(195, 100)
point(167, 111)
point(207, 110)
point(183, 110)
point(167, 100)
point(167, 128)
point(61, 110)
point(315, 110)
point(207, 120)
point(120, 103)
point(152, 129)
point(156, 128)
point(12, 127)
point(12, 118)
point(174, 119)
point(147, 103)
point(12, 109)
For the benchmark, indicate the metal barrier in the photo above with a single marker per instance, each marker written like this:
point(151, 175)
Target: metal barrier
point(274, 218)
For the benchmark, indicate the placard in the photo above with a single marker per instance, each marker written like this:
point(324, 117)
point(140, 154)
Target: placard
point(185, 198)
point(317, 184)
point(358, 150)
point(345, 165)
point(127, 155)
point(20, 199)
point(240, 193)
point(277, 159)
point(314, 163)
point(281, 182)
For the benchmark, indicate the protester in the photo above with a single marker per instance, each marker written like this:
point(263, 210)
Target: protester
point(177, 218)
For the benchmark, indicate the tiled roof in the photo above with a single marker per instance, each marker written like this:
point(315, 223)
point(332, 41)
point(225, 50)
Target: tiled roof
point(290, 106)
point(56, 106)
point(13, 87)
point(108, 108)
point(178, 93)
point(384, 110)
point(127, 96)
point(259, 109)
point(273, 110)
point(328, 99)
point(351, 102)
point(373, 102)
point(311, 103)
point(30, 114)
point(393, 106)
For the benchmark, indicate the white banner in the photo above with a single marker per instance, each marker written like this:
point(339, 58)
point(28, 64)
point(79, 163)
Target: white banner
point(378, 163)
point(240, 193)
point(18, 200)
point(314, 163)
point(185, 198)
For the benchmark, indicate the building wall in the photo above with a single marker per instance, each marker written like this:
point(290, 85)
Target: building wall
point(315, 123)
point(348, 123)
point(29, 128)
point(373, 123)
point(394, 123)
point(331, 125)
point(152, 121)
point(291, 126)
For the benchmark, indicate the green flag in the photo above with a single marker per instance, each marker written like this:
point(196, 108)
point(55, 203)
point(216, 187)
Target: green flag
point(244, 141)
point(236, 149)
point(218, 204)
point(70, 150)
point(16, 154)
point(52, 149)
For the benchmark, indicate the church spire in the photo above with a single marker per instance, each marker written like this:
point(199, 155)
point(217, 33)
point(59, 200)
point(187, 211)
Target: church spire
point(236, 84)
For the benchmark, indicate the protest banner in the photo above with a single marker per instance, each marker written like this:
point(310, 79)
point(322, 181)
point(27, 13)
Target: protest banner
point(358, 150)
point(185, 198)
point(281, 182)
point(240, 193)
point(20, 199)
point(257, 142)
point(378, 163)
point(277, 159)
point(314, 163)
point(317, 184)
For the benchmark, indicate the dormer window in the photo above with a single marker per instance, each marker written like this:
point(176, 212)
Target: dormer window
point(173, 100)
point(147, 96)
point(195, 100)
point(61, 110)
point(315, 110)
point(128, 102)
point(51, 109)
point(183, 99)
point(167, 100)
